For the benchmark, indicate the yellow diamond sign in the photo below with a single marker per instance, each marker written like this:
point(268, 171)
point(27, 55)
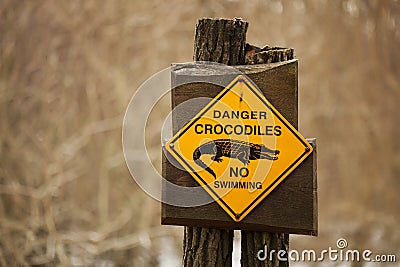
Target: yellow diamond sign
point(239, 147)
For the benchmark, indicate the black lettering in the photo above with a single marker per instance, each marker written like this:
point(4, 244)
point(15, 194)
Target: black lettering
point(248, 130)
point(259, 132)
point(234, 172)
point(220, 129)
point(235, 114)
point(197, 131)
point(259, 185)
point(226, 129)
point(277, 130)
point(268, 130)
point(244, 172)
point(208, 129)
point(217, 114)
point(238, 127)
point(237, 184)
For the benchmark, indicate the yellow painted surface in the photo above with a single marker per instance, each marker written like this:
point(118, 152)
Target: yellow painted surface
point(238, 118)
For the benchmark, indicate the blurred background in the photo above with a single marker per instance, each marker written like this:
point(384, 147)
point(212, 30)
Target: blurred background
point(69, 68)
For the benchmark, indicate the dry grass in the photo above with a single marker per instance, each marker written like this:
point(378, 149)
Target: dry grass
point(68, 69)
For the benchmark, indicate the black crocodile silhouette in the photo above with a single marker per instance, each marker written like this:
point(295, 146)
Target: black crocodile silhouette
point(243, 151)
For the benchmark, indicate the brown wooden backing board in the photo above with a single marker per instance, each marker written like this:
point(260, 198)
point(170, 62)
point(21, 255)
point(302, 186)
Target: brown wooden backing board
point(292, 206)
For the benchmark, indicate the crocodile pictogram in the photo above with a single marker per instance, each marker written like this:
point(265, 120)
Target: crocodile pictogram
point(241, 150)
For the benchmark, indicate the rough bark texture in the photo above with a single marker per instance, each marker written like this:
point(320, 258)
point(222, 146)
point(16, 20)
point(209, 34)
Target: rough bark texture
point(207, 247)
point(252, 242)
point(222, 41)
point(269, 55)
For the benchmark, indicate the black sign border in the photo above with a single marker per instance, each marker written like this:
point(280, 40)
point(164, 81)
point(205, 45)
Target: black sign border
point(252, 87)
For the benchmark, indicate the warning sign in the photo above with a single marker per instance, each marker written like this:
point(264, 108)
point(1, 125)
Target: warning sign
point(239, 147)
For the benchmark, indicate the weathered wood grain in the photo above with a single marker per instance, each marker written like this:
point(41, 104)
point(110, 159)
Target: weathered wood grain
point(220, 40)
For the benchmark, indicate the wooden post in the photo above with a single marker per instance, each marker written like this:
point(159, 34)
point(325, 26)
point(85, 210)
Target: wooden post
point(291, 207)
point(252, 242)
point(222, 41)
